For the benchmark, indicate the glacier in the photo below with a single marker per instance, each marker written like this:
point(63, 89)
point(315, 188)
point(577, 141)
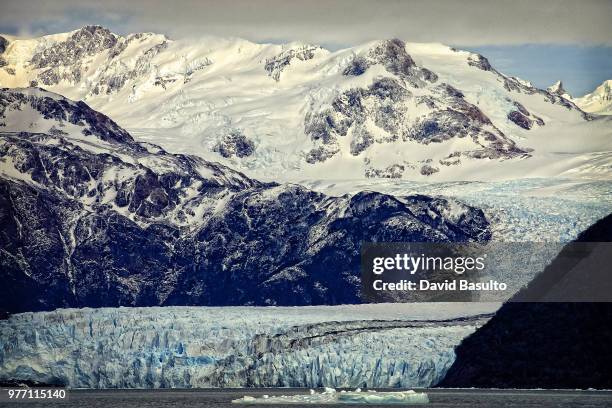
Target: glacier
point(376, 345)
point(553, 210)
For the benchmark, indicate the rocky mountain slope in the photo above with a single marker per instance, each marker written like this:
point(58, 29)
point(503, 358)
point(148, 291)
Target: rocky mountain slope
point(598, 102)
point(90, 217)
point(545, 344)
point(383, 109)
point(558, 89)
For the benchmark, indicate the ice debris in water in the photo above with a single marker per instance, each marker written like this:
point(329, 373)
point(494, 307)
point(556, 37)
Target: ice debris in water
point(330, 396)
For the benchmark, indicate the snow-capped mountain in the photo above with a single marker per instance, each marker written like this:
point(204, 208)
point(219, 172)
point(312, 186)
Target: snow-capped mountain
point(558, 89)
point(382, 109)
point(91, 217)
point(599, 101)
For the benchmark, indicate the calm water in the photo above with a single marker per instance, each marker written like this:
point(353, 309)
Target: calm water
point(222, 398)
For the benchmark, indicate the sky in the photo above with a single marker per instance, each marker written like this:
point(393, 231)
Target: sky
point(580, 68)
point(541, 41)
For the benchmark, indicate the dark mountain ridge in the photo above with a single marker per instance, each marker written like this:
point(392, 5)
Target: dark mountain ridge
point(91, 218)
point(544, 344)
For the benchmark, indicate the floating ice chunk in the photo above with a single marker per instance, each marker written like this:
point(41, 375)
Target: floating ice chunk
point(372, 397)
point(300, 399)
point(330, 396)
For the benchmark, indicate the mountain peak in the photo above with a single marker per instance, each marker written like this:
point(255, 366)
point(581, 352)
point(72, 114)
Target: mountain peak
point(604, 91)
point(557, 89)
point(599, 101)
point(86, 41)
point(37, 110)
point(93, 28)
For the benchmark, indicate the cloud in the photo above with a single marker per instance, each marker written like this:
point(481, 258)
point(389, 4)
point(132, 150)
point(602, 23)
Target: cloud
point(336, 23)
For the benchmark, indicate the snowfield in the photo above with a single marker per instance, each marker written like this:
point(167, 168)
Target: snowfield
point(381, 109)
point(378, 345)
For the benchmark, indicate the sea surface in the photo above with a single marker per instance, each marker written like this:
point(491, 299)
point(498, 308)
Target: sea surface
point(222, 398)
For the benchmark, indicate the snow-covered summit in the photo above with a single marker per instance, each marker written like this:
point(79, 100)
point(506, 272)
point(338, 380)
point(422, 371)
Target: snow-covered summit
point(599, 101)
point(558, 89)
point(382, 109)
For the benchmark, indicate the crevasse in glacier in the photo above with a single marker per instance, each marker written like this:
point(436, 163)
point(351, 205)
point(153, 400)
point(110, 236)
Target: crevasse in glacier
point(383, 345)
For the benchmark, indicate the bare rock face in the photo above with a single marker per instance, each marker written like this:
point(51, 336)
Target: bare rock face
point(62, 110)
point(480, 62)
point(428, 170)
point(321, 153)
point(557, 89)
point(362, 139)
point(523, 118)
point(393, 171)
point(3, 45)
point(63, 60)
point(87, 41)
point(384, 112)
point(393, 56)
point(68, 60)
point(117, 78)
point(275, 65)
point(520, 119)
point(388, 103)
point(90, 217)
point(235, 144)
point(358, 66)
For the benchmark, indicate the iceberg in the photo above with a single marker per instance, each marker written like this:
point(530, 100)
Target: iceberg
point(331, 396)
point(387, 397)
